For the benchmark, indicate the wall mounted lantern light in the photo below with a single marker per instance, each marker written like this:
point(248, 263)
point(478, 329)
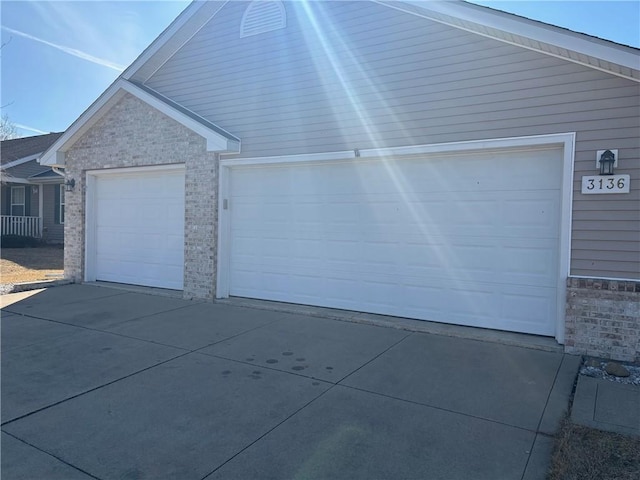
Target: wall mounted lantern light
point(69, 185)
point(607, 161)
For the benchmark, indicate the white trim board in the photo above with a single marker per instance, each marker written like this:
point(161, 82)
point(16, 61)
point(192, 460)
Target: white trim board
point(564, 140)
point(20, 161)
point(548, 140)
point(55, 155)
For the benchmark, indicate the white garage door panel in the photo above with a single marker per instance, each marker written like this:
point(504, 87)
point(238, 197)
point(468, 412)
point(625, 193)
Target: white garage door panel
point(447, 239)
point(140, 228)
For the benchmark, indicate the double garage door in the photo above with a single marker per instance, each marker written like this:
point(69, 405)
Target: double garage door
point(466, 239)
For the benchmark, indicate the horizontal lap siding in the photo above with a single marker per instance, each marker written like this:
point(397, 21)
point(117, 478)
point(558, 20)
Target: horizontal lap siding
point(55, 231)
point(376, 77)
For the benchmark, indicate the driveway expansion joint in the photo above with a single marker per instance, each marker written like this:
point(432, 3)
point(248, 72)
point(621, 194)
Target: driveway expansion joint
point(99, 387)
point(51, 455)
point(455, 412)
point(189, 406)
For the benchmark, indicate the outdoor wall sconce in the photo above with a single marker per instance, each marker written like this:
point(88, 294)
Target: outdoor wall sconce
point(69, 185)
point(608, 181)
point(607, 161)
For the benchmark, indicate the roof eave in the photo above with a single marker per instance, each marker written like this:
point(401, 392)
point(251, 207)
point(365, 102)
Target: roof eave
point(20, 161)
point(215, 140)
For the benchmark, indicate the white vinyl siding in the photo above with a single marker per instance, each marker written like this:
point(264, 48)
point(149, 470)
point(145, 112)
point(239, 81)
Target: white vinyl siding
point(332, 85)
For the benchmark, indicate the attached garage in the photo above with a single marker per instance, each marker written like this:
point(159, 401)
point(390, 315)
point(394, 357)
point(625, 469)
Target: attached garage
point(466, 238)
point(438, 178)
point(136, 232)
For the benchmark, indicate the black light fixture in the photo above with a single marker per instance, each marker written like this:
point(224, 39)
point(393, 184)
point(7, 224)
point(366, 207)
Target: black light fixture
point(69, 185)
point(607, 160)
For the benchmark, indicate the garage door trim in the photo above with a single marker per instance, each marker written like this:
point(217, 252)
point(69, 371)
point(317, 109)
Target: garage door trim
point(564, 140)
point(90, 270)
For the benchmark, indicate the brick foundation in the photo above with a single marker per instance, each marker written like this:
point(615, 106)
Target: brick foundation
point(603, 318)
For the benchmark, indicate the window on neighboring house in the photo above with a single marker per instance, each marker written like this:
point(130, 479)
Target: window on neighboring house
point(61, 211)
point(17, 201)
point(58, 211)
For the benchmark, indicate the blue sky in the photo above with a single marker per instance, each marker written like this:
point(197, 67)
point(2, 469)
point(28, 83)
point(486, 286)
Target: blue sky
point(59, 56)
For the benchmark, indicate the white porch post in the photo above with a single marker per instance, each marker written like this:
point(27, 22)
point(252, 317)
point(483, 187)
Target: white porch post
point(40, 212)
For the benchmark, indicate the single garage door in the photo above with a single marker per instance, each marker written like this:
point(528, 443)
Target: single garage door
point(139, 223)
point(464, 239)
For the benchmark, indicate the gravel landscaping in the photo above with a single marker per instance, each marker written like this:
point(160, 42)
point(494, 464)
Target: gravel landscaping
point(599, 369)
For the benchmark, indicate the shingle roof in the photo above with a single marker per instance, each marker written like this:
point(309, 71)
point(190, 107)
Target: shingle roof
point(17, 148)
point(27, 169)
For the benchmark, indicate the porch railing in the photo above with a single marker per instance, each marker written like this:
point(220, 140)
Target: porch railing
point(26, 226)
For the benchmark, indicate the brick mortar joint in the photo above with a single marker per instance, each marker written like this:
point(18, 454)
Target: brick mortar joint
point(603, 285)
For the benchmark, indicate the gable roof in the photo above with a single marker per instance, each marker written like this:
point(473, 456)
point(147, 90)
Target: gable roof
point(21, 150)
point(30, 172)
point(613, 58)
point(217, 139)
point(506, 27)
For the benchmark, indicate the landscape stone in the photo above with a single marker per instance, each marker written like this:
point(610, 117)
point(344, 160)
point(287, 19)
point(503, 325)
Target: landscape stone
point(616, 369)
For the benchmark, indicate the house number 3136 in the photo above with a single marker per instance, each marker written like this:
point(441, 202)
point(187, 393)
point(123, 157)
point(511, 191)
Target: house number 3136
point(605, 184)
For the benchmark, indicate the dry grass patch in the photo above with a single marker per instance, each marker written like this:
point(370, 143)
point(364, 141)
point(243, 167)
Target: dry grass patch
point(583, 453)
point(19, 265)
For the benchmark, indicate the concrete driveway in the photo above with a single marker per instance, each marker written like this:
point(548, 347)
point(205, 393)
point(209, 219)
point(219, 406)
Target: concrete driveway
point(104, 383)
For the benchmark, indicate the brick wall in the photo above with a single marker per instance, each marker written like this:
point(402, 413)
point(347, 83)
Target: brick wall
point(603, 319)
point(133, 134)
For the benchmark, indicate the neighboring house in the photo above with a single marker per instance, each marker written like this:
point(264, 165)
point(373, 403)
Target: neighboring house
point(414, 159)
point(32, 194)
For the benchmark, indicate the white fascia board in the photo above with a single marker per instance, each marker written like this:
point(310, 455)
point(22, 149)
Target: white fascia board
point(55, 155)
point(163, 38)
point(51, 158)
point(20, 161)
point(573, 41)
